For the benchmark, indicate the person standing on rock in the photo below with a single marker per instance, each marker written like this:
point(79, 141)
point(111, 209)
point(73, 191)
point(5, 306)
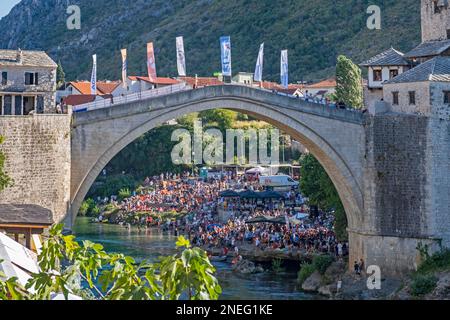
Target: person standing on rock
point(357, 270)
point(361, 265)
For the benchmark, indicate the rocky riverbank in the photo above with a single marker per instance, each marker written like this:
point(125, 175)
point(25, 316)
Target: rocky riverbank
point(337, 283)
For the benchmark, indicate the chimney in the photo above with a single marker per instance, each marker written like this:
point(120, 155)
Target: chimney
point(19, 56)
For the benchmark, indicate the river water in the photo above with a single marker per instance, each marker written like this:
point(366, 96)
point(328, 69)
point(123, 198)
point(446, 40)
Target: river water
point(153, 243)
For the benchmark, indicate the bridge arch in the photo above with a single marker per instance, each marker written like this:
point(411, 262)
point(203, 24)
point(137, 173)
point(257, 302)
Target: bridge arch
point(119, 126)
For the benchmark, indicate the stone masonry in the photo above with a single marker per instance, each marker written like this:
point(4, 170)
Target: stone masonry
point(435, 22)
point(37, 150)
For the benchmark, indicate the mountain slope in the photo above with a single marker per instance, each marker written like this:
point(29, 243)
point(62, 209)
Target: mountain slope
point(315, 32)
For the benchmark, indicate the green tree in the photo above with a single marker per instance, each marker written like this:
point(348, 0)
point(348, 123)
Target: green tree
point(5, 180)
point(60, 75)
point(349, 83)
point(318, 187)
point(63, 261)
point(223, 118)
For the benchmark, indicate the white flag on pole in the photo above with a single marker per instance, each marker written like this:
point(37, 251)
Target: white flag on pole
point(181, 58)
point(259, 64)
point(284, 69)
point(94, 75)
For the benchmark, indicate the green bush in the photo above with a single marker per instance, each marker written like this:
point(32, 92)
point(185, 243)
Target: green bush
point(306, 270)
point(95, 211)
point(439, 261)
point(84, 208)
point(321, 263)
point(87, 207)
point(124, 193)
point(423, 284)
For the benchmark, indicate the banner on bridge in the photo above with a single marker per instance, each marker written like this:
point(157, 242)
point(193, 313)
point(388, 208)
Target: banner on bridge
point(124, 67)
point(259, 64)
point(181, 58)
point(151, 63)
point(284, 69)
point(225, 45)
point(94, 75)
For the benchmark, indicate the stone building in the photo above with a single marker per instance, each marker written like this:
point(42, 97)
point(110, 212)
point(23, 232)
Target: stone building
point(435, 20)
point(422, 84)
point(27, 82)
point(381, 68)
point(423, 90)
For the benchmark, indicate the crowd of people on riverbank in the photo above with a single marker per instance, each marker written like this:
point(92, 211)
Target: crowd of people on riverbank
point(199, 201)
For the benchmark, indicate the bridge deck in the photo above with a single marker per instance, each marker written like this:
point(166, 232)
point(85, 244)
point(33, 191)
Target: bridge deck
point(214, 93)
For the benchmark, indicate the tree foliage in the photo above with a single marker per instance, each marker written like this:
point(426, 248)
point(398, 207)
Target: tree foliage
point(65, 264)
point(318, 187)
point(5, 180)
point(60, 75)
point(349, 83)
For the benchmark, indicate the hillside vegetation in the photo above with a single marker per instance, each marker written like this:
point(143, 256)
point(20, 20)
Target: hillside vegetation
point(314, 32)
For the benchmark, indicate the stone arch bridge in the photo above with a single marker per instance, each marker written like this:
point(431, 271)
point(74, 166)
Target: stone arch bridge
point(379, 163)
point(392, 170)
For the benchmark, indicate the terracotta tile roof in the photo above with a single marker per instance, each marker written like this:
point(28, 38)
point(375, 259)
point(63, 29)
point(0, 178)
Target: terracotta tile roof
point(290, 91)
point(201, 81)
point(159, 80)
point(77, 99)
point(329, 83)
point(103, 87)
point(269, 85)
point(108, 87)
point(29, 59)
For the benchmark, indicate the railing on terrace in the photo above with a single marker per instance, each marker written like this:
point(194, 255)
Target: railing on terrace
point(109, 102)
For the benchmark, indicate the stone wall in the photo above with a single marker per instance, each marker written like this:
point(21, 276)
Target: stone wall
point(372, 96)
point(422, 90)
point(434, 25)
point(440, 109)
point(37, 150)
point(438, 170)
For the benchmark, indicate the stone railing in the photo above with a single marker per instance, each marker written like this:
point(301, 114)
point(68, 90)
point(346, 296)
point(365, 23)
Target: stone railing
point(109, 102)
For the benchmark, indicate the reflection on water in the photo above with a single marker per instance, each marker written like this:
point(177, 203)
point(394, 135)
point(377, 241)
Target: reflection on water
point(152, 243)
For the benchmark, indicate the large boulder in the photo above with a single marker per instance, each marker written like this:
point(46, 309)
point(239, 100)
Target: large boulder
point(442, 290)
point(313, 282)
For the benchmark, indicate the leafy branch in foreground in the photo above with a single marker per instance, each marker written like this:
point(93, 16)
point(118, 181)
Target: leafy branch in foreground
point(65, 264)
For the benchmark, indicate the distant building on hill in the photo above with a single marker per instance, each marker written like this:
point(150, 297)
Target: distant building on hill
point(27, 82)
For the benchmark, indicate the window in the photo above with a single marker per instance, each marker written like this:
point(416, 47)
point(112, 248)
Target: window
point(7, 105)
point(4, 78)
point(28, 105)
point(447, 97)
point(412, 97)
point(18, 105)
point(395, 98)
point(31, 78)
point(437, 8)
point(448, 33)
point(393, 73)
point(377, 75)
